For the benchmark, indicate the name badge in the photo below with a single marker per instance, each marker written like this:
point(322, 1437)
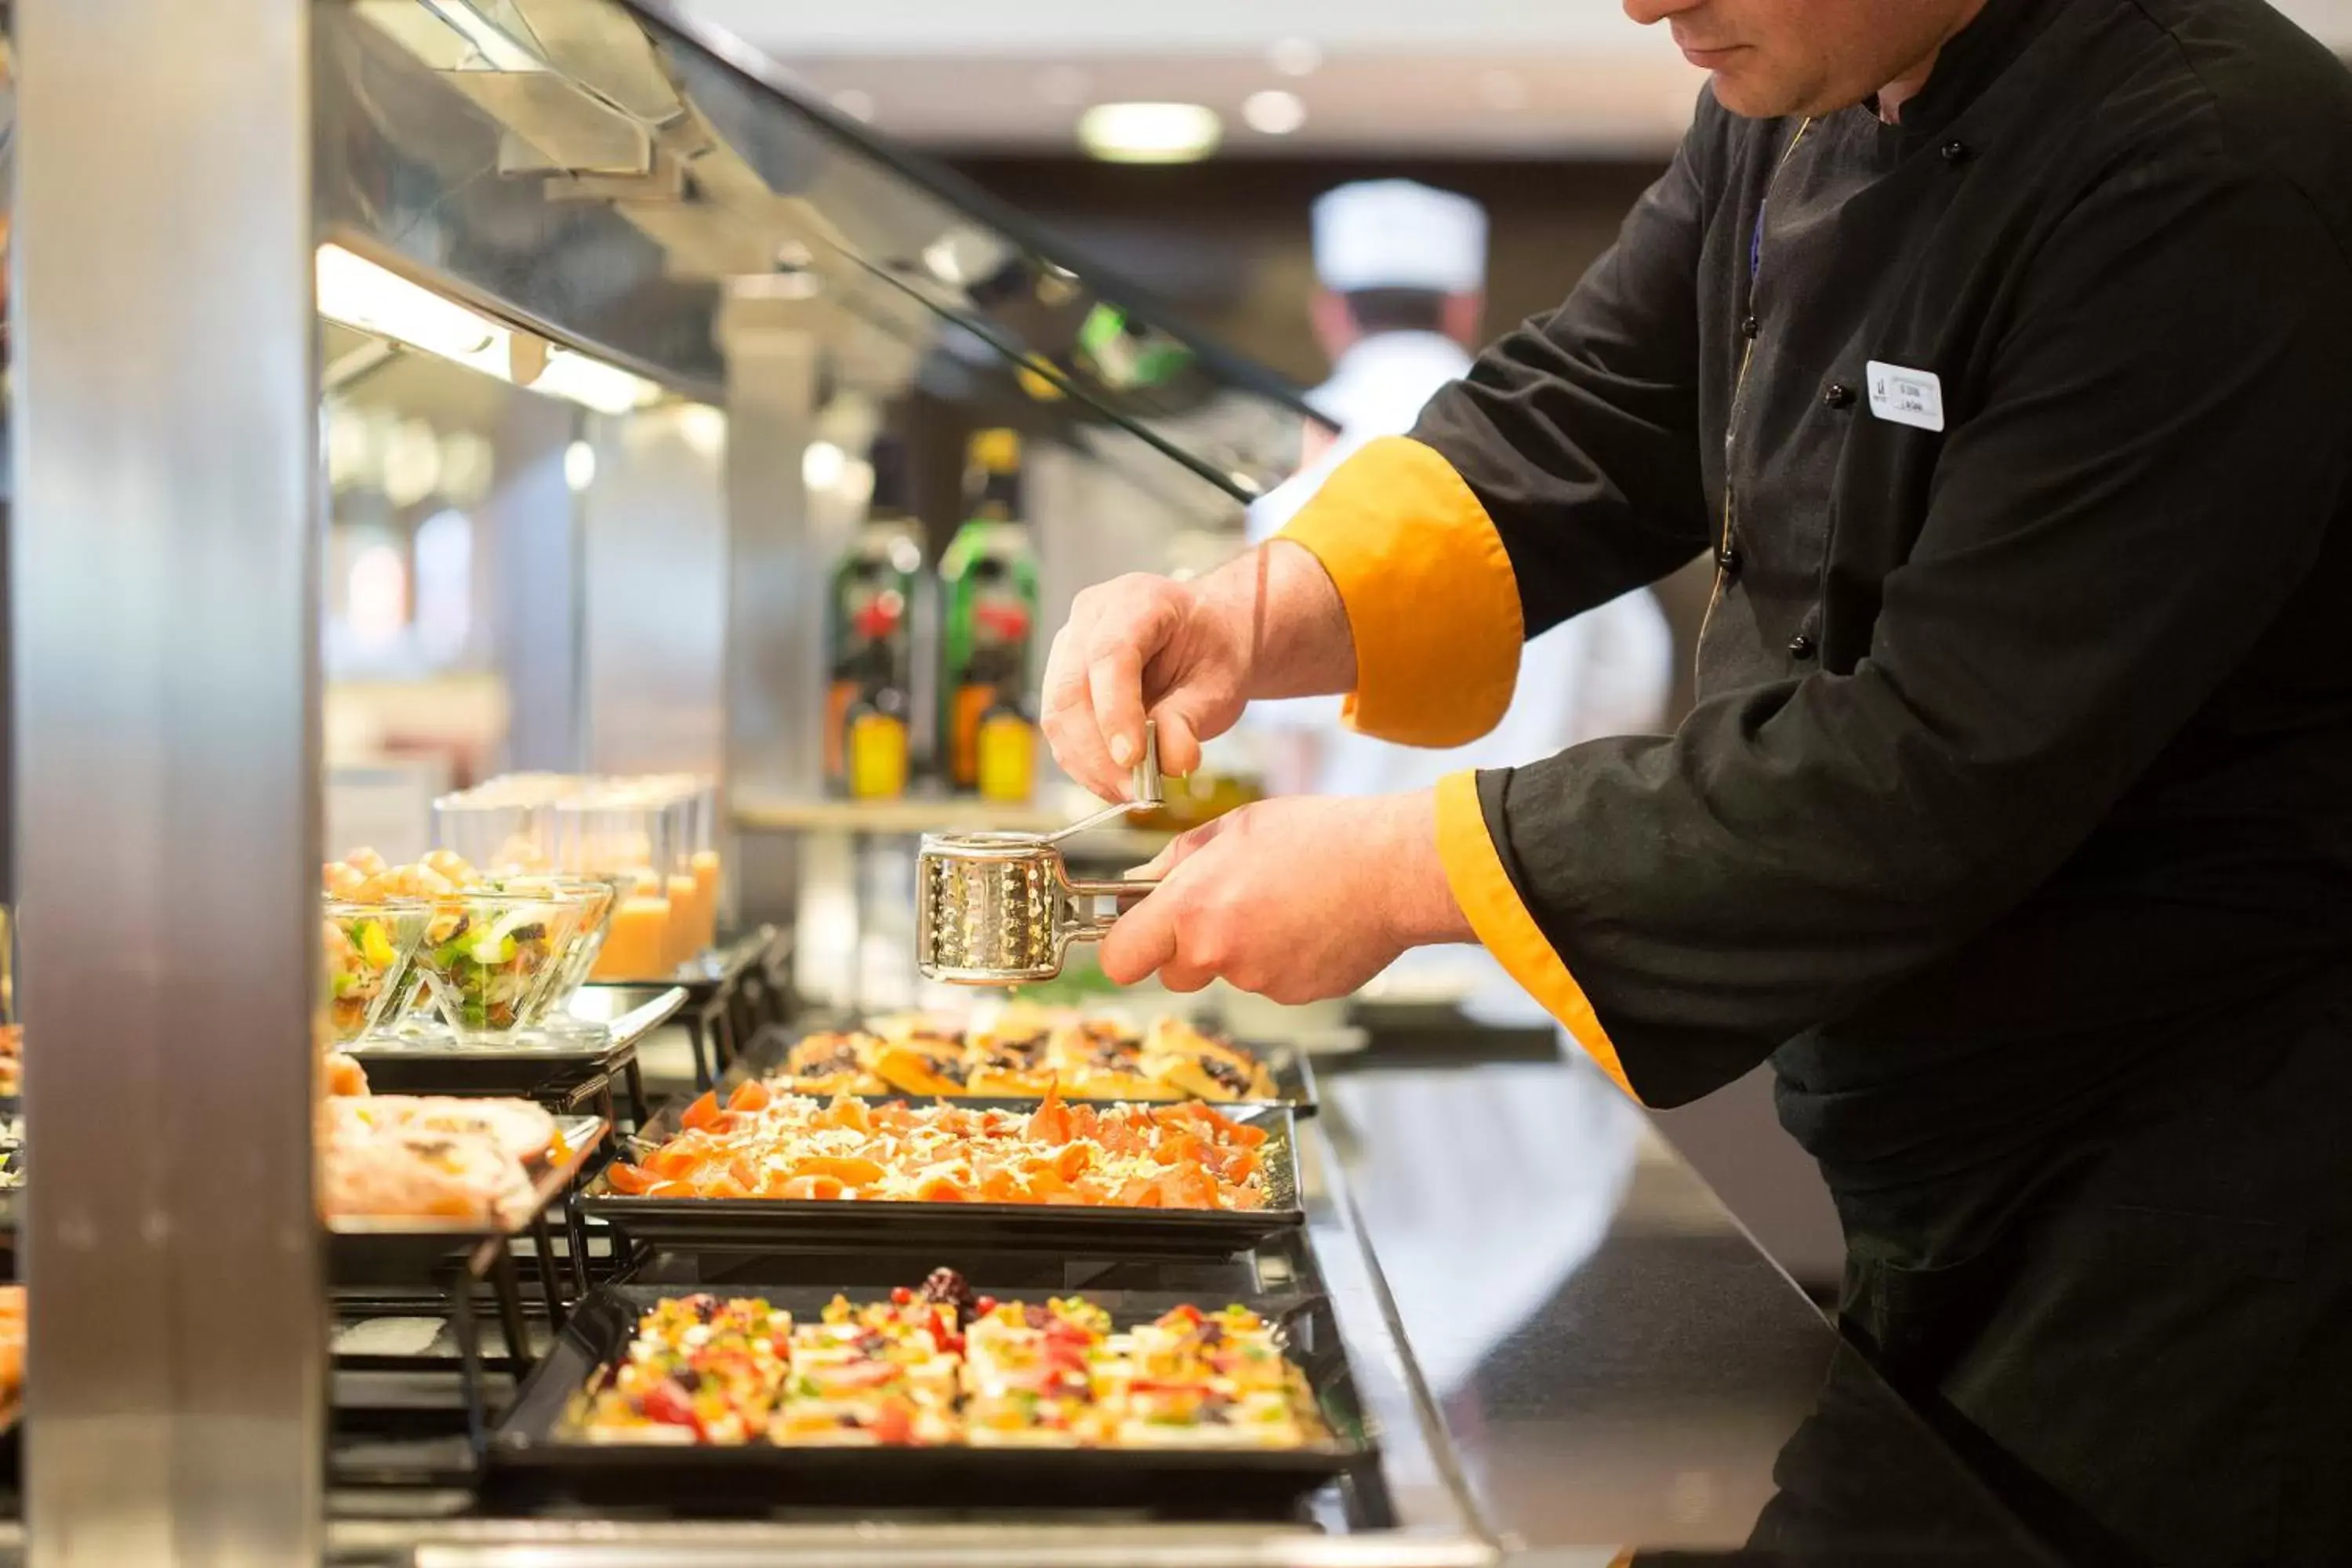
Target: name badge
point(1913, 397)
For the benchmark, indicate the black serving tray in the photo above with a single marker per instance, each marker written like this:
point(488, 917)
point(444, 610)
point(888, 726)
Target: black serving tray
point(759, 1225)
point(1294, 1078)
point(532, 1449)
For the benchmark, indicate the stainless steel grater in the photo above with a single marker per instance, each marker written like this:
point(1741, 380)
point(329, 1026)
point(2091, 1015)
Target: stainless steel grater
point(1000, 909)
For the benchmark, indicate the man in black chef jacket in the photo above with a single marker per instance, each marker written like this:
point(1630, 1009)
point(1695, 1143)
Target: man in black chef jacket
point(1999, 352)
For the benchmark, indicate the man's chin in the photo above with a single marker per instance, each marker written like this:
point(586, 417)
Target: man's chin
point(1743, 94)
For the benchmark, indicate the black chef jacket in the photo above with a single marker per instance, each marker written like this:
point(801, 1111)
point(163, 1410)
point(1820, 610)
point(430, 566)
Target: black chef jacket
point(2015, 816)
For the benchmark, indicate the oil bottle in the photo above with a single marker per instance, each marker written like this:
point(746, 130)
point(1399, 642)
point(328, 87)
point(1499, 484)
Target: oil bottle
point(988, 630)
point(869, 703)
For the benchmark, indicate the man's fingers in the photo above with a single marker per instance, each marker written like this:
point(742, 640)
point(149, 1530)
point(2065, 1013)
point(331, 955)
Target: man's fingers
point(1183, 847)
point(1141, 940)
point(1180, 741)
point(1115, 678)
point(1068, 721)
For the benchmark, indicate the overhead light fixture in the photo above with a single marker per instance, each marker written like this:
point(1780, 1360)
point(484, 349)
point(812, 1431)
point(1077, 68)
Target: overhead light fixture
point(360, 294)
point(593, 383)
point(1149, 132)
point(579, 465)
point(823, 464)
point(1273, 113)
point(1295, 57)
point(703, 428)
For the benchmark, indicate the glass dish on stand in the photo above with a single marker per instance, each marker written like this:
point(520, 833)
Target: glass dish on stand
point(491, 959)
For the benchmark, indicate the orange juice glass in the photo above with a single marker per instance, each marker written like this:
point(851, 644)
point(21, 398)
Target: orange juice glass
point(638, 945)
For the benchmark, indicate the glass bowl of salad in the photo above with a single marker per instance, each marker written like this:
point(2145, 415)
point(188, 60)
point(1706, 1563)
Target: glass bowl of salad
point(371, 968)
point(491, 956)
point(593, 899)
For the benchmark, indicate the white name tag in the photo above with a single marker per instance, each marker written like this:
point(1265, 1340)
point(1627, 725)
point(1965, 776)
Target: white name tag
point(1914, 397)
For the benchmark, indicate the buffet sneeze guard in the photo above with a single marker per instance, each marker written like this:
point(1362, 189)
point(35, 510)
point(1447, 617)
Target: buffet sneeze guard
point(653, 212)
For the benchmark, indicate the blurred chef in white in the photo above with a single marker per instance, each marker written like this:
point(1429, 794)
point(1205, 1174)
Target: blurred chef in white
point(1402, 270)
point(1470, 1242)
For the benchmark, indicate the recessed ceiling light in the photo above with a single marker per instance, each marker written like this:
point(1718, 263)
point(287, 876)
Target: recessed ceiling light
point(1149, 132)
point(579, 465)
point(855, 102)
point(1295, 57)
point(1273, 113)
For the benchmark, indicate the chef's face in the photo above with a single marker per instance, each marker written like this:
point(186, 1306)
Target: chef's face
point(1807, 56)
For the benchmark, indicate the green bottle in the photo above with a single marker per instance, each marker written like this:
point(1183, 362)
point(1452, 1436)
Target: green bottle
point(989, 619)
point(871, 640)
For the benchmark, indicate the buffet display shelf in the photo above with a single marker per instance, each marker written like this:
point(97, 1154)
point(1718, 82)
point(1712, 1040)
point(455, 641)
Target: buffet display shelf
point(1604, 1363)
point(1416, 1515)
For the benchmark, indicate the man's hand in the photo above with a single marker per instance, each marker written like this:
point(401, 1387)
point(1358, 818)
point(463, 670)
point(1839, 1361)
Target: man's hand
point(1189, 655)
point(1296, 899)
point(1141, 645)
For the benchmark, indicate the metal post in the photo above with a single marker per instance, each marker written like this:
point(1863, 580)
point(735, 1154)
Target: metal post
point(166, 624)
point(772, 333)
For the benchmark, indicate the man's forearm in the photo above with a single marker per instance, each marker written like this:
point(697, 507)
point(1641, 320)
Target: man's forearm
point(1300, 645)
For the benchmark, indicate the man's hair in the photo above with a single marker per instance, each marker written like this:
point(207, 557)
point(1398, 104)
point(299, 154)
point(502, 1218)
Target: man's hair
point(1397, 310)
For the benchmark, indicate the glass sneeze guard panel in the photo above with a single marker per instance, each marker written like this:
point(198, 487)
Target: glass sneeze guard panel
point(611, 174)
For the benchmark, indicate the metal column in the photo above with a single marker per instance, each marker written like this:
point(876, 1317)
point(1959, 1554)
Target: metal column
point(772, 333)
point(166, 626)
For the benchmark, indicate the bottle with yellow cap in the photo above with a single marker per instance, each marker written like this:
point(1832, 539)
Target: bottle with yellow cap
point(988, 630)
point(870, 702)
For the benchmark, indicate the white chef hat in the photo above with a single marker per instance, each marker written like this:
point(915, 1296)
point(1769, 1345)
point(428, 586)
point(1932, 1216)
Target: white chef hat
point(1397, 233)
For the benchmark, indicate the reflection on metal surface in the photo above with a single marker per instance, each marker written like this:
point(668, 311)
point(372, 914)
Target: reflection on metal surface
point(165, 618)
point(1667, 1385)
point(503, 1544)
point(1539, 1160)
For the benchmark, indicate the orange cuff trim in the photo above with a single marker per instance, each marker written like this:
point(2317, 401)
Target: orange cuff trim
point(1430, 595)
point(1484, 890)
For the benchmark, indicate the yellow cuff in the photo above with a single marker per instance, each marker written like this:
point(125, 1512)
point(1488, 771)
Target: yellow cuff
point(1484, 890)
point(1430, 595)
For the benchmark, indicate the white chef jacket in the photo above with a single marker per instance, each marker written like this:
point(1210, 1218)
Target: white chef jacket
point(1606, 672)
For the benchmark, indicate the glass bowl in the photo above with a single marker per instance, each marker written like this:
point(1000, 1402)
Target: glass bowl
point(371, 968)
point(594, 899)
point(490, 957)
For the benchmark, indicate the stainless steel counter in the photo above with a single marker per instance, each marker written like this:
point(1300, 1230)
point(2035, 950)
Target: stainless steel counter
point(1613, 1363)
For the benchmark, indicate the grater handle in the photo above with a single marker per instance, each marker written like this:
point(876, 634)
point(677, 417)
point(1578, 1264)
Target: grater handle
point(1087, 926)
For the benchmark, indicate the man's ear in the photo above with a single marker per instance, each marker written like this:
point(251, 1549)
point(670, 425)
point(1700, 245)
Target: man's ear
point(1335, 323)
point(1465, 317)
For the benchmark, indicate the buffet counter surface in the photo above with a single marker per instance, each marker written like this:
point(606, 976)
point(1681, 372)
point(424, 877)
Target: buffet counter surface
point(1570, 1351)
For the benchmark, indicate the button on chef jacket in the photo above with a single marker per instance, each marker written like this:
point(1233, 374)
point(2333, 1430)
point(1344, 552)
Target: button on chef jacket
point(2022, 771)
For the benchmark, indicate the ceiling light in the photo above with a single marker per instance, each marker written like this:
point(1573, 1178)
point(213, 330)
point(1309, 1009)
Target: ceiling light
point(1273, 113)
point(593, 383)
point(823, 464)
point(1149, 132)
point(579, 465)
point(703, 428)
point(854, 103)
point(360, 294)
point(1295, 57)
